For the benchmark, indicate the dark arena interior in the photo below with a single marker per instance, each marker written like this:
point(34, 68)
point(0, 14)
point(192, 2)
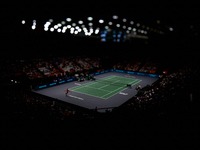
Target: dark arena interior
point(132, 71)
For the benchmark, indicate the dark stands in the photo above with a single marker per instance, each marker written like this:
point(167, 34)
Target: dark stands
point(170, 102)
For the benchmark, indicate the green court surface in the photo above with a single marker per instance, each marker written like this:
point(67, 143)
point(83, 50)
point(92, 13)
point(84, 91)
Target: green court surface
point(105, 87)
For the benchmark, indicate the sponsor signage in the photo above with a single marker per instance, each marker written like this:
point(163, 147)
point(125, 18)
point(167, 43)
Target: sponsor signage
point(97, 73)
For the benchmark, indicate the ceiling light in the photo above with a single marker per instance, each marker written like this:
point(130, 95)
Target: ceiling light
point(23, 22)
point(90, 18)
point(68, 19)
point(115, 17)
point(101, 21)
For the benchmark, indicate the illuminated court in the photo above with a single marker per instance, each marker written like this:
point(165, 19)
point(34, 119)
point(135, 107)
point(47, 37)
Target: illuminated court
point(108, 91)
point(105, 87)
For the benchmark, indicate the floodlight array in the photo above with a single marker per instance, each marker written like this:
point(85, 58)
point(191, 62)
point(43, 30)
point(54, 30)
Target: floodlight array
point(33, 25)
point(93, 26)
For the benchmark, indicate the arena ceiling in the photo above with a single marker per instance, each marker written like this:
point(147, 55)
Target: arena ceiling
point(166, 11)
point(181, 16)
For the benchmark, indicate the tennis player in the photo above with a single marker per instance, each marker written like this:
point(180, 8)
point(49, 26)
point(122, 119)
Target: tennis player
point(67, 91)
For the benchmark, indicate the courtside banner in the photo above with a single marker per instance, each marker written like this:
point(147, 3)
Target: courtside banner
point(138, 73)
point(101, 72)
point(97, 73)
point(53, 84)
point(126, 71)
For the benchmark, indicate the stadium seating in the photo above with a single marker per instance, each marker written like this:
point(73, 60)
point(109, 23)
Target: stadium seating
point(149, 67)
point(169, 88)
point(133, 66)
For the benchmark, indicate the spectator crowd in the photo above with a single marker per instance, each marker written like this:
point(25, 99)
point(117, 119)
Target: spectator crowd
point(44, 70)
point(172, 92)
point(175, 88)
point(20, 105)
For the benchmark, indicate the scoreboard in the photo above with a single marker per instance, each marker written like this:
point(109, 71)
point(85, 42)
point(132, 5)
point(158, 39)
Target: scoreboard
point(112, 36)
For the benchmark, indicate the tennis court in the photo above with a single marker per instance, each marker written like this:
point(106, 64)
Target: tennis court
point(108, 91)
point(105, 87)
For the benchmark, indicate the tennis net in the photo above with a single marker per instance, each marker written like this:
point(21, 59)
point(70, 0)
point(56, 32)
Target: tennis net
point(116, 83)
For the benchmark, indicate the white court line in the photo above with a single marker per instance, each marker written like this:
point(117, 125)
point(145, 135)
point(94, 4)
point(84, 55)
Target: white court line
point(120, 91)
point(114, 90)
point(127, 78)
point(108, 77)
point(136, 82)
point(91, 83)
point(88, 94)
point(111, 92)
point(87, 84)
point(77, 84)
point(76, 97)
point(97, 88)
point(83, 85)
point(109, 84)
